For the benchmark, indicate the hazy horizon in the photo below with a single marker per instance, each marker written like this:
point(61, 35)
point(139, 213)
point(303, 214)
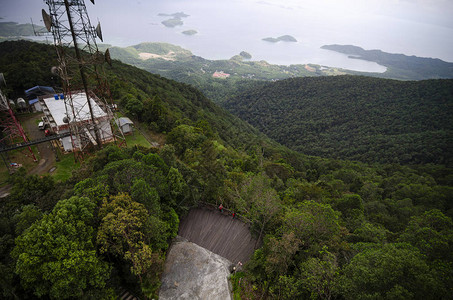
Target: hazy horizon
point(413, 27)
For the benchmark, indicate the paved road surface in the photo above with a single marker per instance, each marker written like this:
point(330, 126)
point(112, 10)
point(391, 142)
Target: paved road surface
point(46, 154)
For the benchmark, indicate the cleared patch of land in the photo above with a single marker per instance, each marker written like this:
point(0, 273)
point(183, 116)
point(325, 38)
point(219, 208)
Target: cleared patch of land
point(169, 56)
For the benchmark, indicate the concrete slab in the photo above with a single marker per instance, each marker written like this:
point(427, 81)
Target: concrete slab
point(192, 272)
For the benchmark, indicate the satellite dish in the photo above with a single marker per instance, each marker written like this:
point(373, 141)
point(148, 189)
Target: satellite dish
point(21, 103)
point(47, 20)
point(2, 80)
point(99, 32)
point(66, 120)
point(108, 59)
point(92, 1)
point(54, 70)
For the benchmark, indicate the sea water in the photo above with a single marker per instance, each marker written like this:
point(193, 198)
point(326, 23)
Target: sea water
point(227, 27)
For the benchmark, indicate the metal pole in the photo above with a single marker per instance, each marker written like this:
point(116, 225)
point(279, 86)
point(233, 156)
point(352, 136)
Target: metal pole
point(82, 73)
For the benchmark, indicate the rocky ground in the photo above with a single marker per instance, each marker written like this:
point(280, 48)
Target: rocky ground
point(192, 272)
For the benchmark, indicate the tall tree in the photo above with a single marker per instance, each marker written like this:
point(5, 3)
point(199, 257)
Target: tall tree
point(389, 272)
point(258, 200)
point(124, 232)
point(56, 255)
point(432, 233)
point(320, 275)
point(313, 223)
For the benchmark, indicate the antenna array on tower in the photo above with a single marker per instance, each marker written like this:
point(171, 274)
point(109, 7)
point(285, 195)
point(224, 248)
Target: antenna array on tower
point(81, 70)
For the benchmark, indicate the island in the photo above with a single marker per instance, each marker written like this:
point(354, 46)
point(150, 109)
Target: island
point(283, 38)
point(399, 66)
point(178, 15)
point(172, 22)
point(175, 20)
point(190, 32)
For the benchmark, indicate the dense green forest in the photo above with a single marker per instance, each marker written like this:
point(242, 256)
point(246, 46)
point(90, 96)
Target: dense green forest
point(332, 229)
point(355, 117)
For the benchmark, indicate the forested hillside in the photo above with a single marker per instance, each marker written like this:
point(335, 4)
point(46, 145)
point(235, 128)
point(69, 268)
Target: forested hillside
point(181, 65)
point(156, 101)
point(332, 229)
point(354, 117)
point(14, 30)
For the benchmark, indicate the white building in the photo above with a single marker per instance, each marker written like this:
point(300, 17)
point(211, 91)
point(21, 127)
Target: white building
point(125, 124)
point(60, 115)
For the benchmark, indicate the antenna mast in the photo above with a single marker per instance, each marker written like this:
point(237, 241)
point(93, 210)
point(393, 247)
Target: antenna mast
point(80, 68)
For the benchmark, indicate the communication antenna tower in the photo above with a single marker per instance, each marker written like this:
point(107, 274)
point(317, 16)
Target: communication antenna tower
point(81, 70)
point(11, 130)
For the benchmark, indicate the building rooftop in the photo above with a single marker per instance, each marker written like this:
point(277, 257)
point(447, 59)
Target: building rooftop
point(38, 91)
point(57, 108)
point(124, 120)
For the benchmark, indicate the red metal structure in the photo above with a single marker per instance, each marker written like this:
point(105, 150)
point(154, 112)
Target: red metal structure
point(11, 130)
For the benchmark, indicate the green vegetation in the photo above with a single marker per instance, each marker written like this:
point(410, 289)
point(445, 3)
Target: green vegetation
point(190, 32)
point(330, 229)
point(283, 38)
point(13, 29)
point(245, 55)
point(162, 49)
point(158, 103)
point(198, 71)
point(178, 15)
point(173, 22)
point(270, 39)
point(19, 73)
point(358, 118)
point(64, 167)
point(399, 66)
point(137, 139)
point(56, 256)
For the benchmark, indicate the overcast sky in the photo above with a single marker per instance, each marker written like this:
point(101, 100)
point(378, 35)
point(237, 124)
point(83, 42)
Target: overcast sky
point(438, 12)
point(348, 15)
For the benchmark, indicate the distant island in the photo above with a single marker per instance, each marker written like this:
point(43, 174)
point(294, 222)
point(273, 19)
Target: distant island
point(283, 38)
point(175, 20)
point(172, 22)
point(190, 32)
point(178, 15)
point(399, 66)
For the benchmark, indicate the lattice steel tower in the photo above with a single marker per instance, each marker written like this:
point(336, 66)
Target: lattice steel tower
point(81, 70)
point(11, 130)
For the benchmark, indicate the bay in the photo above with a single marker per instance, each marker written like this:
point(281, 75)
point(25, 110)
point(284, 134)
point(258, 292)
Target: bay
point(227, 27)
